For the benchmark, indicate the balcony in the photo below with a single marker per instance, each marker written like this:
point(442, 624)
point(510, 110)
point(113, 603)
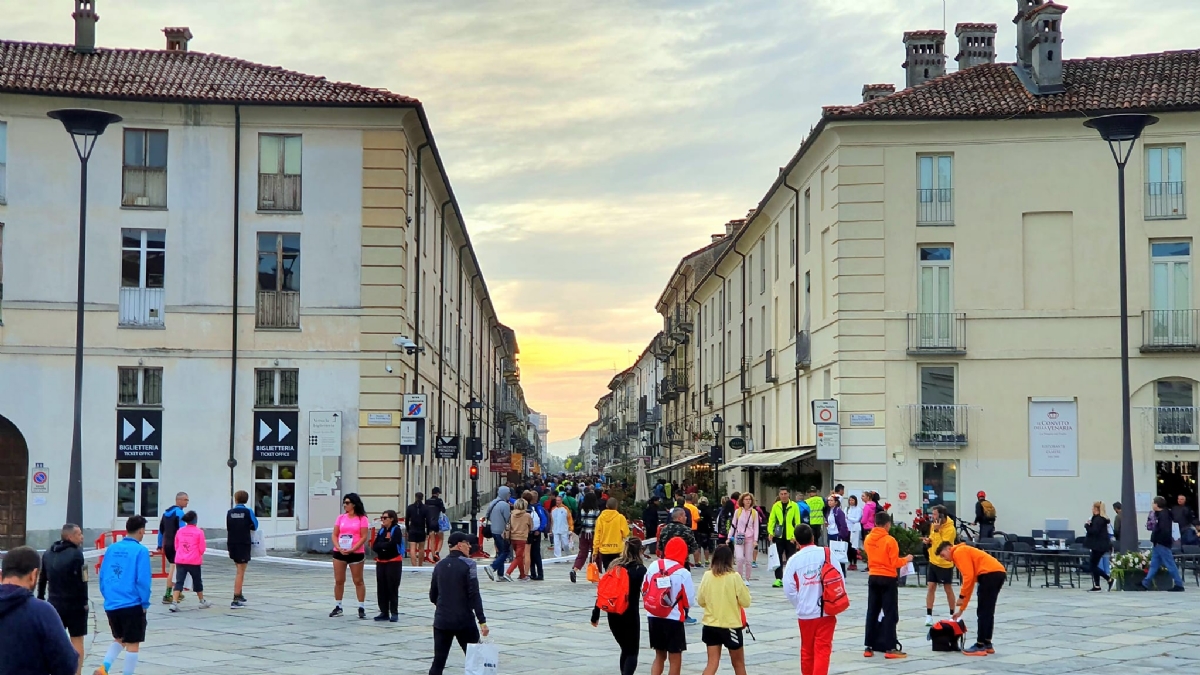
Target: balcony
point(681, 381)
point(938, 426)
point(141, 308)
point(1175, 428)
point(1165, 200)
point(937, 333)
point(278, 309)
point(803, 350)
point(745, 375)
point(935, 207)
point(1170, 330)
point(772, 371)
point(667, 390)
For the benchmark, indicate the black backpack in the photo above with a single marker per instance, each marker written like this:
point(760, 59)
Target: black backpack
point(948, 636)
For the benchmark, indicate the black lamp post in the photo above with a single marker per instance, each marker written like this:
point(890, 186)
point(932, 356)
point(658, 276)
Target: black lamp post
point(85, 127)
point(475, 452)
point(1121, 132)
point(718, 453)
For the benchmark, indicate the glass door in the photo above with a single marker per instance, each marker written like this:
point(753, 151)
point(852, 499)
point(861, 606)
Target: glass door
point(1171, 292)
point(275, 503)
point(939, 485)
point(935, 298)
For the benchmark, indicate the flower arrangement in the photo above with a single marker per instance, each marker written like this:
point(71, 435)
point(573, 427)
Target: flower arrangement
point(1133, 561)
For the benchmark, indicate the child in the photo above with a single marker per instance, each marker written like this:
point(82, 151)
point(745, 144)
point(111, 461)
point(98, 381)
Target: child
point(189, 556)
point(723, 595)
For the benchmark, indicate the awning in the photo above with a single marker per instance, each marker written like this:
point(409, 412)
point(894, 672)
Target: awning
point(678, 463)
point(770, 460)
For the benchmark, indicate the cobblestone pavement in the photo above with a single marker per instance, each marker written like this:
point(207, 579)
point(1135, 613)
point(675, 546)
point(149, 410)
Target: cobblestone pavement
point(543, 627)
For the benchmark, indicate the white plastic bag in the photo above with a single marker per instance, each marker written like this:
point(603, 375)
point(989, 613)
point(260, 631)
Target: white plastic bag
point(772, 558)
point(838, 552)
point(907, 570)
point(483, 658)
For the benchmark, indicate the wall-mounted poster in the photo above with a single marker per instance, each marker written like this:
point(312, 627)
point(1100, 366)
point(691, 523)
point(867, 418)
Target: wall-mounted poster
point(1053, 438)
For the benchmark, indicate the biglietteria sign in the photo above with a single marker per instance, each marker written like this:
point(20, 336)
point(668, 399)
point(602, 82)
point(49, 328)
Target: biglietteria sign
point(275, 435)
point(139, 435)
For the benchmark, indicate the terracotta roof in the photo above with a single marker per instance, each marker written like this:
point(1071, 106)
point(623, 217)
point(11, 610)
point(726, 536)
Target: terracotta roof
point(159, 75)
point(962, 27)
point(1047, 6)
point(1142, 83)
point(934, 34)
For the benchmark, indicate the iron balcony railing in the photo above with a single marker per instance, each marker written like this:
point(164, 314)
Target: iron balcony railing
point(745, 375)
point(935, 206)
point(1175, 428)
point(1165, 200)
point(667, 390)
point(772, 372)
point(938, 425)
point(278, 309)
point(141, 307)
point(937, 333)
point(1170, 330)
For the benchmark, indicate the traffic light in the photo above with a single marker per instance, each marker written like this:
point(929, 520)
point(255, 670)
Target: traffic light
point(474, 472)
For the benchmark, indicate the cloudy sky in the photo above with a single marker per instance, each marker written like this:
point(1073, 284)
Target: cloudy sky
point(591, 144)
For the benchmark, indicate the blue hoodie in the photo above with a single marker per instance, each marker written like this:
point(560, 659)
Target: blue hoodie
point(34, 641)
point(125, 575)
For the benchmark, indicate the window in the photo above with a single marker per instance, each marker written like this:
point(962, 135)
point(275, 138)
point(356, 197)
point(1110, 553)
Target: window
point(276, 388)
point(749, 274)
point(762, 265)
point(1, 274)
point(3, 160)
point(935, 190)
point(1164, 182)
point(1171, 293)
point(792, 308)
point(792, 232)
point(139, 386)
point(274, 490)
point(807, 297)
point(775, 243)
point(137, 489)
point(279, 172)
point(762, 330)
point(934, 297)
point(1175, 414)
point(808, 220)
point(278, 280)
point(144, 180)
point(143, 271)
point(750, 335)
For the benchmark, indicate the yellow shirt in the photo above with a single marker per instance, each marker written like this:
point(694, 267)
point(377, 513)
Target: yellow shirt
point(936, 537)
point(611, 531)
point(723, 598)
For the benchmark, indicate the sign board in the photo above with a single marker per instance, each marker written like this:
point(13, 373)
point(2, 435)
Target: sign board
point(518, 462)
point(41, 479)
point(446, 448)
point(862, 420)
point(737, 443)
point(379, 419)
point(825, 411)
point(501, 460)
point(139, 435)
point(1053, 438)
point(415, 406)
point(475, 448)
point(275, 435)
point(829, 442)
point(903, 496)
point(324, 434)
point(715, 455)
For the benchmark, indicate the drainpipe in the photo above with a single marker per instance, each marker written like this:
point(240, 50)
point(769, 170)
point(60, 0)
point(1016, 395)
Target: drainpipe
point(442, 334)
point(420, 214)
point(233, 350)
point(742, 362)
point(458, 348)
point(796, 309)
point(724, 319)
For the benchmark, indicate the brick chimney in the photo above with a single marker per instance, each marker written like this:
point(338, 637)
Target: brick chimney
point(717, 237)
point(976, 44)
point(85, 26)
point(177, 38)
point(870, 92)
point(1039, 46)
point(1025, 31)
point(925, 56)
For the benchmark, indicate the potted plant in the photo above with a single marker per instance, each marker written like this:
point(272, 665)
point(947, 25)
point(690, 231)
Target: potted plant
point(1129, 571)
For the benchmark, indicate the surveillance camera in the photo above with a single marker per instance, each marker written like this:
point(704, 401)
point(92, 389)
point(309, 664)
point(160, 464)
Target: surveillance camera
point(388, 368)
point(404, 342)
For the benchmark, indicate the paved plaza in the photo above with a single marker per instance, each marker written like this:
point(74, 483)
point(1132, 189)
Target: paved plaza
point(542, 627)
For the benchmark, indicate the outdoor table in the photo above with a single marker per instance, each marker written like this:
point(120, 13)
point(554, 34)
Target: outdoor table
point(1058, 555)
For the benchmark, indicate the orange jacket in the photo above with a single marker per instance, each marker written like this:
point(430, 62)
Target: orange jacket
point(695, 511)
point(883, 554)
point(971, 562)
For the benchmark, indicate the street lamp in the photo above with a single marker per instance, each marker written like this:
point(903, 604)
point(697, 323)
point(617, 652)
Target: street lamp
point(718, 452)
point(1121, 132)
point(85, 127)
point(475, 453)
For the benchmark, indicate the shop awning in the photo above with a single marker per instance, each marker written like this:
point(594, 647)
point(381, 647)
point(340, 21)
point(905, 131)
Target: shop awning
point(770, 459)
point(677, 463)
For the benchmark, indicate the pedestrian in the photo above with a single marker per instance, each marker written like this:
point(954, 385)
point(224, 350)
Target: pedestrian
point(836, 529)
point(743, 535)
point(688, 502)
point(1159, 523)
point(870, 506)
point(454, 591)
point(666, 603)
point(816, 513)
point(854, 515)
point(704, 533)
point(940, 571)
point(884, 563)
point(34, 641)
point(519, 527)
point(805, 589)
point(626, 627)
point(498, 513)
point(189, 557)
point(541, 525)
point(561, 525)
point(724, 596)
point(389, 565)
point(1117, 521)
point(985, 516)
point(977, 566)
point(650, 519)
point(240, 522)
point(1182, 514)
point(724, 523)
point(437, 518)
point(781, 530)
point(612, 529)
point(1099, 542)
point(168, 525)
point(125, 585)
point(677, 527)
point(416, 524)
point(65, 571)
point(351, 531)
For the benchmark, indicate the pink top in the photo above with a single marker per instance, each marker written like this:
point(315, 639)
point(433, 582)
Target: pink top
point(351, 526)
point(190, 546)
point(868, 516)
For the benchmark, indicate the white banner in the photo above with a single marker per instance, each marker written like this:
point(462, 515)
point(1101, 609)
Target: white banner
point(1053, 439)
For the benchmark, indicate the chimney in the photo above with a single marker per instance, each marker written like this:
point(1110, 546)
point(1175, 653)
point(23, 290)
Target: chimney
point(177, 38)
point(85, 26)
point(732, 227)
point(925, 56)
point(870, 92)
point(1024, 31)
point(717, 237)
point(1039, 47)
point(976, 44)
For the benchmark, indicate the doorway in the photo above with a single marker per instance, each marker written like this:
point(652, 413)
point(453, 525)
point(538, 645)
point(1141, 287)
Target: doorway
point(1177, 478)
point(14, 476)
point(275, 503)
point(939, 485)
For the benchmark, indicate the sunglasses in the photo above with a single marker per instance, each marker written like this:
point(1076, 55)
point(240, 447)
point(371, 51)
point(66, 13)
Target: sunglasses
point(347, 503)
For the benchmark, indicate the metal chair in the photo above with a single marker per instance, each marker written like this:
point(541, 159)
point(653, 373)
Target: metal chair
point(1191, 562)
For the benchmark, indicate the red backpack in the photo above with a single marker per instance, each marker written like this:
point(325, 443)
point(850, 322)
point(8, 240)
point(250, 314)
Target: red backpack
point(657, 601)
point(834, 600)
point(612, 593)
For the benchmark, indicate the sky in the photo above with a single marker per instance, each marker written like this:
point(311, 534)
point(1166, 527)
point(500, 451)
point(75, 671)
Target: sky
point(593, 144)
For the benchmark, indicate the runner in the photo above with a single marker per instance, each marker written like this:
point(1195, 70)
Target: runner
point(168, 525)
point(805, 589)
point(611, 531)
point(416, 522)
point(240, 521)
point(724, 597)
point(977, 566)
point(666, 594)
point(125, 585)
point(781, 530)
point(189, 547)
point(498, 512)
point(34, 641)
point(884, 563)
point(350, 532)
point(626, 627)
point(454, 590)
point(816, 513)
point(587, 532)
point(437, 518)
point(389, 566)
point(65, 570)
point(743, 535)
point(561, 524)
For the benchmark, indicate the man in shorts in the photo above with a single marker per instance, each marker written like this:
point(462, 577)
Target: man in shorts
point(168, 525)
point(436, 508)
point(239, 523)
point(65, 570)
point(125, 585)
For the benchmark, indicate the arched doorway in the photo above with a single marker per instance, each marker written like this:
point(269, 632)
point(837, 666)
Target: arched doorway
point(14, 475)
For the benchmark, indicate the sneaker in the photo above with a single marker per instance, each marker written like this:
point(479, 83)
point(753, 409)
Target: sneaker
point(690, 621)
point(1110, 584)
point(337, 611)
point(778, 583)
point(490, 573)
point(928, 619)
point(990, 649)
point(868, 653)
point(240, 598)
point(168, 599)
point(976, 650)
point(236, 604)
point(395, 618)
point(1094, 589)
point(572, 576)
point(205, 604)
point(754, 565)
point(894, 654)
point(526, 579)
point(1175, 589)
point(503, 578)
point(100, 670)
point(362, 613)
point(174, 607)
point(382, 617)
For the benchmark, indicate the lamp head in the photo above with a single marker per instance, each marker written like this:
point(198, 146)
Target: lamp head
point(1121, 128)
point(717, 423)
point(84, 122)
